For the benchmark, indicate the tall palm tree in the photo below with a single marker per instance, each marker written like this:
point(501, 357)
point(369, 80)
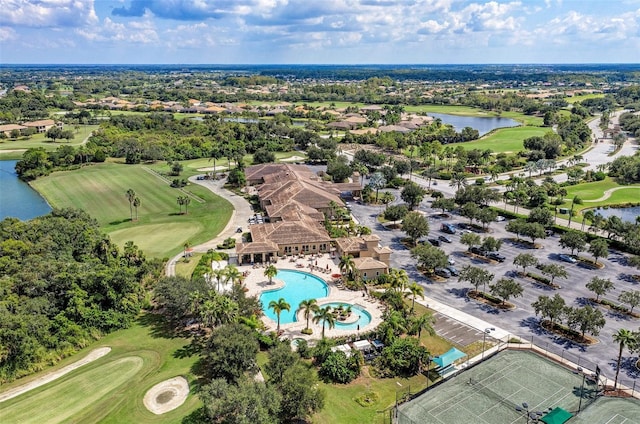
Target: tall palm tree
point(624, 338)
point(186, 200)
point(398, 279)
point(278, 307)
point(219, 274)
point(326, 316)
point(415, 290)
point(575, 201)
point(270, 272)
point(131, 195)
point(180, 201)
point(136, 205)
point(587, 216)
point(233, 274)
point(347, 265)
point(423, 322)
point(308, 306)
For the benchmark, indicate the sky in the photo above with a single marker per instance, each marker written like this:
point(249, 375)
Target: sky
point(319, 31)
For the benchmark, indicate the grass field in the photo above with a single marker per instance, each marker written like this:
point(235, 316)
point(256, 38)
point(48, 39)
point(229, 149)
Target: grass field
point(505, 139)
point(160, 230)
point(595, 190)
point(580, 98)
point(111, 389)
point(39, 140)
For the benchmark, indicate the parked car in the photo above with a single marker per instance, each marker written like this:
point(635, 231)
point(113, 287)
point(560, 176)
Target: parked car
point(434, 242)
point(451, 261)
point(477, 250)
point(444, 239)
point(567, 258)
point(453, 270)
point(500, 218)
point(496, 256)
point(239, 230)
point(443, 272)
point(448, 228)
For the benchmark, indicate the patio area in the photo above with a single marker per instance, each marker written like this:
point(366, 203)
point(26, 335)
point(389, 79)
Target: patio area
point(322, 266)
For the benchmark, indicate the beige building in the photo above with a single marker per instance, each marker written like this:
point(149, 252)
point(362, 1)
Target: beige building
point(43, 125)
point(6, 129)
point(370, 259)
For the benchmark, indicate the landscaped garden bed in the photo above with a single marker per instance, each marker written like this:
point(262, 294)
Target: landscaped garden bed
point(588, 263)
point(488, 299)
point(613, 306)
point(568, 333)
point(525, 244)
point(539, 279)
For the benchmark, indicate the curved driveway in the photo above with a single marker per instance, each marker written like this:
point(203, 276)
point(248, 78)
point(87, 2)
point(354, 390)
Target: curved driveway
point(241, 213)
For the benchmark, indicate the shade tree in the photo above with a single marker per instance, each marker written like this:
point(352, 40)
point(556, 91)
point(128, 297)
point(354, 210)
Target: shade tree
point(600, 286)
point(506, 288)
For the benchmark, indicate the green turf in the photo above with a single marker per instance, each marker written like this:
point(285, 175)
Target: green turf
point(110, 389)
point(505, 139)
point(582, 97)
point(39, 140)
point(160, 230)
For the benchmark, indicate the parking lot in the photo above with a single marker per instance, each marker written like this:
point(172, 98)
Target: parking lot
point(521, 321)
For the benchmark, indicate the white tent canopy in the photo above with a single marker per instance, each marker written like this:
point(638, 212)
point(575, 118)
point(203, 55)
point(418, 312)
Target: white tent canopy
point(362, 345)
point(343, 348)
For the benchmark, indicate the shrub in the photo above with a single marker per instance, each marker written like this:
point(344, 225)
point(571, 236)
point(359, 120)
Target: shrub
point(229, 243)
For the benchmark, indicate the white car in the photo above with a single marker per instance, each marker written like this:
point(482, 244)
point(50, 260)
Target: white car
point(500, 218)
point(451, 261)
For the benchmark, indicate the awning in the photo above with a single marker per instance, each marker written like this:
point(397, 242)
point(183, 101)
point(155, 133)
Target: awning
point(557, 416)
point(362, 345)
point(378, 344)
point(342, 348)
point(448, 357)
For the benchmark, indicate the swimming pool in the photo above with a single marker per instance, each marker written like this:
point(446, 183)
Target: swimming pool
point(298, 286)
point(363, 319)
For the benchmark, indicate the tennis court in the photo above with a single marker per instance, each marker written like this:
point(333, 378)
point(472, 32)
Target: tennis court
point(610, 411)
point(490, 391)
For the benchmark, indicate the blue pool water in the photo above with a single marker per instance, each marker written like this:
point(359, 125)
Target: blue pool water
point(298, 286)
point(364, 316)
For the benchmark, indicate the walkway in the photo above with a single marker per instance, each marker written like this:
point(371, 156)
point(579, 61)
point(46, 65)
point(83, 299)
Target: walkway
point(241, 213)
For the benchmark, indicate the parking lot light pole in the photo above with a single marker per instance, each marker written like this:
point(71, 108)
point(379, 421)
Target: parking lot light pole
point(484, 338)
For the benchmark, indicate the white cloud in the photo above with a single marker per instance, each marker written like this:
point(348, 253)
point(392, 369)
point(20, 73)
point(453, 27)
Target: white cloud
point(7, 34)
point(47, 13)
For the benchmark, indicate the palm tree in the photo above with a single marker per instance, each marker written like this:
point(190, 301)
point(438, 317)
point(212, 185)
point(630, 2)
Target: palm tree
point(458, 181)
point(415, 290)
point(136, 204)
point(131, 195)
point(326, 316)
point(423, 322)
point(278, 307)
point(308, 306)
point(624, 338)
point(575, 201)
point(233, 274)
point(347, 265)
point(186, 200)
point(398, 279)
point(587, 216)
point(270, 272)
point(219, 274)
point(195, 301)
point(180, 201)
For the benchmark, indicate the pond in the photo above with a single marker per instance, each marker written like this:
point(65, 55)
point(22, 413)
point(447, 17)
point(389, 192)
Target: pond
point(17, 198)
point(482, 124)
point(625, 214)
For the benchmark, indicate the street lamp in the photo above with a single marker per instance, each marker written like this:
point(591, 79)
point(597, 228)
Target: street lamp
point(484, 338)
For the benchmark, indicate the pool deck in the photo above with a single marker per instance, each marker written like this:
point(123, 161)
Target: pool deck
point(256, 283)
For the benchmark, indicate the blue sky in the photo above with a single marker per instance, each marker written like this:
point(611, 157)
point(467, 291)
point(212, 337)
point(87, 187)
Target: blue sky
point(319, 31)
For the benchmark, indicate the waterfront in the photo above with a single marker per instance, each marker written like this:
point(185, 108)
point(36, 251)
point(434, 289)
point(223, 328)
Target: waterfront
point(17, 198)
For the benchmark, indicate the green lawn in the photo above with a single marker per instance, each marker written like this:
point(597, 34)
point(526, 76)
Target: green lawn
point(39, 140)
point(110, 389)
point(580, 98)
point(160, 230)
point(505, 139)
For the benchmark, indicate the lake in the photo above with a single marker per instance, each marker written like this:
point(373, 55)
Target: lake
point(625, 214)
point(17, 198)
point(482, 124)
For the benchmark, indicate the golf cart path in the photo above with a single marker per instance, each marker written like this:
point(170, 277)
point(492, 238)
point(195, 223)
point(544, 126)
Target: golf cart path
point(53, 375)
point(608, 193)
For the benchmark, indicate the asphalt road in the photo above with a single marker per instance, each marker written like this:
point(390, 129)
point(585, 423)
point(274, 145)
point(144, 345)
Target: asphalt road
point(521, 321)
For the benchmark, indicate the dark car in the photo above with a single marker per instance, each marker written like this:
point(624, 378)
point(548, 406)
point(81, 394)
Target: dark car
point(444, 239)
point(453, 270)
point(434, 242)
point(443, 272)
point(239, 230)
point(496, 256)
point(477, 250)
point(448, 228)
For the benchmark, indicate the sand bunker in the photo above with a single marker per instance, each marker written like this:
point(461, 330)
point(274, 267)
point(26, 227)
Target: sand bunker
point(167, 395)
point(50, 376)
